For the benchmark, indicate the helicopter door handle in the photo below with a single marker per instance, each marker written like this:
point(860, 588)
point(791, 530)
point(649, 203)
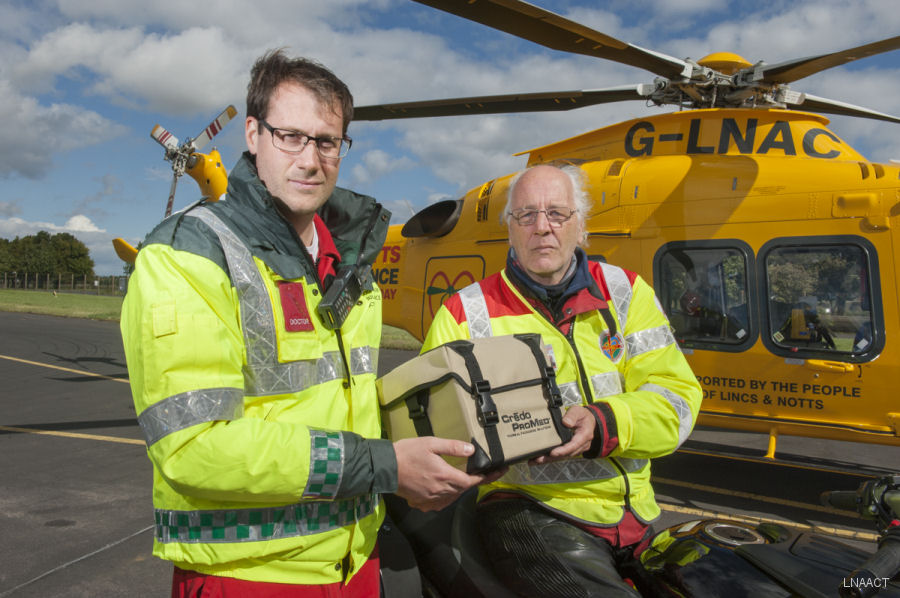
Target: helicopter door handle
point(822, 365)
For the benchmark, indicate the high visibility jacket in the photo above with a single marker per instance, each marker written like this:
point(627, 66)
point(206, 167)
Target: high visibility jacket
point(637, 374)
point(261, 423)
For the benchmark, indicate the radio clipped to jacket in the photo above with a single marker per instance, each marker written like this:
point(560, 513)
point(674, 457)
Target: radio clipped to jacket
point(337, 301)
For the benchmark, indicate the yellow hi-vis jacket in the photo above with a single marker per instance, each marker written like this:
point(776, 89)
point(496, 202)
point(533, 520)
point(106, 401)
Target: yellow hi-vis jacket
point(261, 423)
point(638, 374)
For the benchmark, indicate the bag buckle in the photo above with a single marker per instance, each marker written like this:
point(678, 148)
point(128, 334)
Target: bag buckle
point(487, 410)
point(417, 406)
point(554, 397)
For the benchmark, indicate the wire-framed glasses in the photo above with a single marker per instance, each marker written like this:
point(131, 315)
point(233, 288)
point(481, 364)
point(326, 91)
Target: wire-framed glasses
point(555, 216)
point(293, 142)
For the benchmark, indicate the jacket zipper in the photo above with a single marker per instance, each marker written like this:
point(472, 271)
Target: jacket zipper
point(582, 372)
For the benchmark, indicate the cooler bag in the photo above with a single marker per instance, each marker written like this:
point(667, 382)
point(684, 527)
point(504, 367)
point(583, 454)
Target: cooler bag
point(498, 392)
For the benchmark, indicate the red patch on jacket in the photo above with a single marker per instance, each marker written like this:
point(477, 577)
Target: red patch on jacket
point(293, 305)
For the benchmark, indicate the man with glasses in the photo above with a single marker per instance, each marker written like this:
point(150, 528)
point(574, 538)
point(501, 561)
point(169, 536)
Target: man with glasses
point(251, 329)
point(572, 522)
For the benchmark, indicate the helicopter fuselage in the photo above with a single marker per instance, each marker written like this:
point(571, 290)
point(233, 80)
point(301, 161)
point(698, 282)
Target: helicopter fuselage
point(780, 234)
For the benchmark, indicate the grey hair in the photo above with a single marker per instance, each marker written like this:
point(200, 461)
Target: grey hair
point(580, 196)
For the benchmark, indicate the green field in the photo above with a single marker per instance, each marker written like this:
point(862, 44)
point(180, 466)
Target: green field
point(104, 307)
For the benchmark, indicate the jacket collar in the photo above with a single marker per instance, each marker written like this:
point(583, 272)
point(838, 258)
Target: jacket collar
point(271, 238)
point(561, 303)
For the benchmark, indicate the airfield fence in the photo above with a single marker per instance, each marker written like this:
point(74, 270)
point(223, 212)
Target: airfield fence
point(64, 282)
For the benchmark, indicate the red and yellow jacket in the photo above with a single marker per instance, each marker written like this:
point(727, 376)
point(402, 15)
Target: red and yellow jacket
point(627, 369)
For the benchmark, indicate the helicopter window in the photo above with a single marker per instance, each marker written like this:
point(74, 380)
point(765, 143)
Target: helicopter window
point(819, 299)
point(704, 291)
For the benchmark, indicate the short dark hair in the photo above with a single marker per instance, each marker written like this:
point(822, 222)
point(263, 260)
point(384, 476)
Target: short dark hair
point(274, 68)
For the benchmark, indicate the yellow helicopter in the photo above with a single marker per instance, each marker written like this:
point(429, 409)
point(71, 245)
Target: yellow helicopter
point(771, 243)
point(205, 169)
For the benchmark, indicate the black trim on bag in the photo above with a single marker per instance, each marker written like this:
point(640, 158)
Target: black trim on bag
point(417, 404)
point(486, 409)
point(551, 390)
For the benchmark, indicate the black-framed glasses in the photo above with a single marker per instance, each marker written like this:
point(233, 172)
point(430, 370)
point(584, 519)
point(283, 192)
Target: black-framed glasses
point(293, 142)
point(555, 216)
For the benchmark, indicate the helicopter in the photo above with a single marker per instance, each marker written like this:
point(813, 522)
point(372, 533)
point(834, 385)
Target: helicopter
point(206, 169)
point(770, 242)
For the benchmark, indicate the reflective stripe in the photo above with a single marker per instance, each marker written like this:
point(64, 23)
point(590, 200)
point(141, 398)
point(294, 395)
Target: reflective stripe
point(619, 291)
point(681, 406)
point(252, 525)
point(363, 360)
point(647, 340)
point(263, 374)
point(257, 318)
point(475, 306)
point(326, 464)
point(576, 469)
point(607, 384)
point(296, 376)
point(189, 409)
point(571, 394)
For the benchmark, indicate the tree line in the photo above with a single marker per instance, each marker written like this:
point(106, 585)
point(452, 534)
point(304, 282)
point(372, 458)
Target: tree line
point(43, 253)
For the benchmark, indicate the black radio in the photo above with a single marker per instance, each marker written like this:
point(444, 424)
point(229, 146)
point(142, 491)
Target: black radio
point(344, 291)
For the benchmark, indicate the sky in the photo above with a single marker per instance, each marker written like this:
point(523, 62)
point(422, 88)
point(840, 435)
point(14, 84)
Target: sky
point(83, 82)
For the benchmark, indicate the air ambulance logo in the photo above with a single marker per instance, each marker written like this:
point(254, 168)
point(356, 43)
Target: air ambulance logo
point(612, 346)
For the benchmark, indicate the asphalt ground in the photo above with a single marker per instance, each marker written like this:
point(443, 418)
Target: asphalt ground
point(75, 504)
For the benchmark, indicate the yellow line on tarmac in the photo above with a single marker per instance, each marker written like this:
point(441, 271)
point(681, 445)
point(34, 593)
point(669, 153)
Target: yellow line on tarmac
point(844, 533)
point(72, 435)
point(56, 367)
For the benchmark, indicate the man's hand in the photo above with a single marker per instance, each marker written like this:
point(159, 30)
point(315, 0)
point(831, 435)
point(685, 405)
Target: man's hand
point(583, 423)
point(426, 480)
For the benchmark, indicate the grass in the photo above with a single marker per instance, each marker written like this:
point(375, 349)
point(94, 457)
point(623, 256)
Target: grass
point(105, 307)
point(74, 305)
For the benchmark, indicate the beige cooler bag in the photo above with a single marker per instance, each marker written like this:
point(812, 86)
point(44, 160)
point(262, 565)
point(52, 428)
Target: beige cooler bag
point(499, 393)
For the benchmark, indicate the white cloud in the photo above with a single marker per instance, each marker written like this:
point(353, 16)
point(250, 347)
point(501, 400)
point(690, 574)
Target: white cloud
point(34, 132)
point(19, 227)
point(377, 163)
point(81, 224)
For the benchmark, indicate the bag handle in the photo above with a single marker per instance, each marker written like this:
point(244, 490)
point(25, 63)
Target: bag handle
point(485, 408)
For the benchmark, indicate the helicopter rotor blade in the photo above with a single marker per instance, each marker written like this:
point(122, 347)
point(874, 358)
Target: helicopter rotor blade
point(213, 128)
point(171, 195)
point(523, 102)
point(816, 104)
point(556, 32)
point(164, 138)
point(792, 70)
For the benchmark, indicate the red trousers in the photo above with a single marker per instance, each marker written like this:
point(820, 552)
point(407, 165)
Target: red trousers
point(190, 584)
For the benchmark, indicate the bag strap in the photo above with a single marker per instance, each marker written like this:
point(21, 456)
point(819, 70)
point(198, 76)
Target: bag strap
point(485, 408)
point(551, 390)
point(417, 404)
point(608, 318)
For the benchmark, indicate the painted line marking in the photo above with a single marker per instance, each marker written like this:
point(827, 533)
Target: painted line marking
point(76, 560)
point(73, 435)
point(56, 367)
